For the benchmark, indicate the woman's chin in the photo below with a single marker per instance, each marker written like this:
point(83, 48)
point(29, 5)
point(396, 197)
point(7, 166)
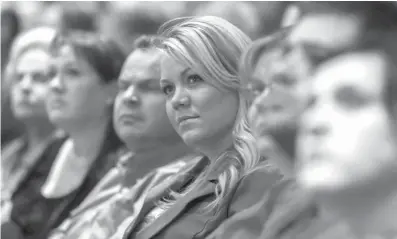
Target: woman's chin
point(192, 138)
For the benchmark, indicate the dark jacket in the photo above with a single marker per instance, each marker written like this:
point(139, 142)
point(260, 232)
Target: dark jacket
point(283, 210)
point(33, 215)
point(186, 219)
point(17, 164)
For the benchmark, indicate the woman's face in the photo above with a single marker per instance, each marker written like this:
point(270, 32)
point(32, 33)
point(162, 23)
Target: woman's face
point(280, 95)
point(200, 112)
point(30, 85)
point(347, 137)
point(77, 95)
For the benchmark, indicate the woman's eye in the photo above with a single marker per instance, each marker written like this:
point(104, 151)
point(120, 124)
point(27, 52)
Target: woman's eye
point(167, 89)
point(41, 77)
point(72, 72)
point(194, 79)
point(18, 77)
point(51, 73)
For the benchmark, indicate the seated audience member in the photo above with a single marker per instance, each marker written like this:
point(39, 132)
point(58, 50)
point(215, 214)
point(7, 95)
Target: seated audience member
point(347, 148)
point(82, 87)
point(273, 115)
point(141, 121)
point(26, 160)
point(244, 15)
point(206, 106)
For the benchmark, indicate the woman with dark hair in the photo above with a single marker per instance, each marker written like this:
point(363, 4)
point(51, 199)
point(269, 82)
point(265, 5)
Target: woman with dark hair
point(82, 87)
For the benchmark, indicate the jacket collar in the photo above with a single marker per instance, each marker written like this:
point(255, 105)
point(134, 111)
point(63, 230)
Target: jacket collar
point(204, 189)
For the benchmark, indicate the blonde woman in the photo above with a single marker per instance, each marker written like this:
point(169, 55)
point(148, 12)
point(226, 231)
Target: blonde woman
point(206, 105)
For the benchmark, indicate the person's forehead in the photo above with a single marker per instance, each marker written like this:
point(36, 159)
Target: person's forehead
point(170, 64)
point(329, 30)
point(366, 70)
point(141, 63)
point(65, 55)
point(33, 59)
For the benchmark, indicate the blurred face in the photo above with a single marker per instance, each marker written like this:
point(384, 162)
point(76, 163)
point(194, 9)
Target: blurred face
point(77, 94)
point(318, 37)
point(139, 111)
point(279, 99)
point(347, 136)
point(200, 112)
point(277, 107)
point(30, 85)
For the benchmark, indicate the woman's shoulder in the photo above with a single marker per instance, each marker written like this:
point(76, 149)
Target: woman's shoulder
point(261, 177)
point(252, 186)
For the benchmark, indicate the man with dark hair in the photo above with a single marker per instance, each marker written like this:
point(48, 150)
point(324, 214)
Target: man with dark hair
point(347, 146)
point(157, 151)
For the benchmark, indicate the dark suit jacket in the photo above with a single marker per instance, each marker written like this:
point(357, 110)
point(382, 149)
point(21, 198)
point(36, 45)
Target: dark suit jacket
point(283, 210)
point(186, 219)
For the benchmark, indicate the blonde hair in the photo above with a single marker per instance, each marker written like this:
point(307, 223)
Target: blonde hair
point(212, 47)
point(39, 37)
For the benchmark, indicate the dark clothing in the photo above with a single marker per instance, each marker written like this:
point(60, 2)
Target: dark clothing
point(281, 210)
point(186, 218)
point(36, 215)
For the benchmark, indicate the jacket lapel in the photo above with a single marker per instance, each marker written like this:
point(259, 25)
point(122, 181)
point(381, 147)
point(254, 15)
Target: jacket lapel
point(9, 160)
point(194, 167)
point(206, 188)
point(31, 159)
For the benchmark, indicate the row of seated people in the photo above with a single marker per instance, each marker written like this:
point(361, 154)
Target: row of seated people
point(200, 133)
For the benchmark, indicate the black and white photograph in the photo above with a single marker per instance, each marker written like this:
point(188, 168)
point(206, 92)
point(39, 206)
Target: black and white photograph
point(198, 120)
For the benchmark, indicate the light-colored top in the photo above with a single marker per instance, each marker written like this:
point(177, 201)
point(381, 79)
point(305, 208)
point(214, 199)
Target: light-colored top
point(67, 172)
